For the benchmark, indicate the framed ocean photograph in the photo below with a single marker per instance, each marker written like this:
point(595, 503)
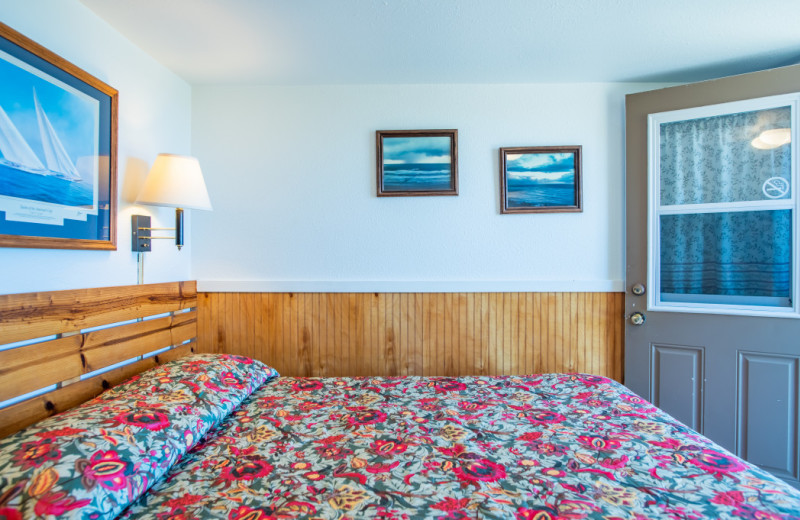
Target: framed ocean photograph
point(417, 162)
point(58, 139)
point(540, 179)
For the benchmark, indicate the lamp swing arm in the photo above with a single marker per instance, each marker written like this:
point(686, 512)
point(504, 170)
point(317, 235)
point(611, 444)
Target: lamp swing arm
point(142, 231)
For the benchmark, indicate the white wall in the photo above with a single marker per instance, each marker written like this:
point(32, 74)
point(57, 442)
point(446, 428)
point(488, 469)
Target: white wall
point(291, 173)
point(154, 117)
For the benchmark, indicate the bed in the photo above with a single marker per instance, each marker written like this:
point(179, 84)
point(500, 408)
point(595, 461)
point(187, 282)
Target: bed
point(223, 436)
point(220, 436)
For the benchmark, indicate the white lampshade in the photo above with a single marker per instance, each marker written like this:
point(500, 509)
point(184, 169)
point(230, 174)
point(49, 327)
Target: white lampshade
point(175, 181)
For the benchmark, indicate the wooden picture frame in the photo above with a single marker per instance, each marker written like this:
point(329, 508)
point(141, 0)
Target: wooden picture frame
point(58, 162)
point(417, 162)
point(540, 179)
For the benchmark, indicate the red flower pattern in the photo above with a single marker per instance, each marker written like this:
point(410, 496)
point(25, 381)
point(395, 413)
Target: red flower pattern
point(152, 420)
point(94, 460)
point(35, 454)
point(557, 447)
point(548, 456)
point(483, 470)
point(106, 468)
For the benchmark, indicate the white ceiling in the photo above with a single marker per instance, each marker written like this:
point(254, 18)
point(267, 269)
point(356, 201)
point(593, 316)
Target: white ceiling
point(458, 41)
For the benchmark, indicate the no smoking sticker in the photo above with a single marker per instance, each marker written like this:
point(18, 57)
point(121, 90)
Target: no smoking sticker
point(775, 187)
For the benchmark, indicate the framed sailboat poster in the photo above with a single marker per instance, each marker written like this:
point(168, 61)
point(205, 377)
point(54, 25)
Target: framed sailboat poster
point(58, 127)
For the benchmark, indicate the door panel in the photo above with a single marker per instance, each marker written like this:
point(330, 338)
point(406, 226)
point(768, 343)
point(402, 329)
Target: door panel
point(767, 400)
point(677, 381)
point(734, 377)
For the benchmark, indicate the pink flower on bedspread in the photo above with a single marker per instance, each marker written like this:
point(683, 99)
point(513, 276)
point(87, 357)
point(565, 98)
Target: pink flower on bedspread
point(333, 452)
point(451, 504)
point(182, 501)
point(615, 463)
point(598, 443)
point(480, 470)
point(306, 385)
point(747, 512)
point(238, 359)
point(152, 420)
point(366, 417)
point(106, 468)
point(386, 448)
point(248, 470)
point(633, 399)
point(545, 417)
point(449, 385)
point(543, 513)
point(529, 436)
point(230, 379)
point(728, 498)
point(589, 380)
point(716, 462)
point(472, 406)
point(61, 432)
point(197, 366)
point(248, 513)
point(34, 454)
point(9, 513)
point(57, 504)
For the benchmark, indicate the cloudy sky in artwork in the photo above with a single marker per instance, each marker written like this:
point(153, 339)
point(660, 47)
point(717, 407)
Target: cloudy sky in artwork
point(416, 150)
point(73, 114)
point(541, 167)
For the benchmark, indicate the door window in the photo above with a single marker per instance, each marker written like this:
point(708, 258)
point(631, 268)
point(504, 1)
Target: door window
point(722, 209)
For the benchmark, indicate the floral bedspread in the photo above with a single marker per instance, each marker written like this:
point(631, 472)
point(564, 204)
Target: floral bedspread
point(542, 447)
point(93, 461)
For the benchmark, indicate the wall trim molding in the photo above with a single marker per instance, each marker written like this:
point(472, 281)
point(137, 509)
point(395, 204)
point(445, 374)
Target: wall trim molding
point(394, 286)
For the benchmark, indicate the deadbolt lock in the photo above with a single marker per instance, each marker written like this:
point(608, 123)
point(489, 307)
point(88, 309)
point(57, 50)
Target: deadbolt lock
point(638, 289)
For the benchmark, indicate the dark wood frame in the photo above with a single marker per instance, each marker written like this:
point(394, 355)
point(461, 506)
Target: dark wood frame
point(575, 150)
point(452, 134)
point(80, 75)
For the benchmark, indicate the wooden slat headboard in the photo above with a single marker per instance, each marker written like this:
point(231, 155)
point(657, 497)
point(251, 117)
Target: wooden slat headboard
point(76, 333)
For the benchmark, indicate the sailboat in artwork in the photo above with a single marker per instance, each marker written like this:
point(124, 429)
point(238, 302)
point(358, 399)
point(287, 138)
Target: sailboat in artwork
point(17, 153)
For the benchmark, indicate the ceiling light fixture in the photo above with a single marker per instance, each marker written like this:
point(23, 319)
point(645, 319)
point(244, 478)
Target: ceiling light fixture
point(769, 139)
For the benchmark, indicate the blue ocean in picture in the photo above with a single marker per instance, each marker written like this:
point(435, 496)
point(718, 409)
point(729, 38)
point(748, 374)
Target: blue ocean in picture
point(416, 177)
point(44, 188)
point(540, 179)
point(535, 194)
point(417, 163)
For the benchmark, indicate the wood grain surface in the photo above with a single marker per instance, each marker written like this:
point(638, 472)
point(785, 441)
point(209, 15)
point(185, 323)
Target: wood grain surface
point(34, 315)
point(78, 332)
point(442, 334)
point(25, 413)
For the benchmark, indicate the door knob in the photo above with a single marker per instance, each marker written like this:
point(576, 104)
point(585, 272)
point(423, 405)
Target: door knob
point(637, 318)
point(638, 289)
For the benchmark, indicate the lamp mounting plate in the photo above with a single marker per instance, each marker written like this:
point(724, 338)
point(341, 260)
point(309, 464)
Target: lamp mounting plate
point(140, 227)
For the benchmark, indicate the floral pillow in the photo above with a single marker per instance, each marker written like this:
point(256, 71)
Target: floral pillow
point(94, 460)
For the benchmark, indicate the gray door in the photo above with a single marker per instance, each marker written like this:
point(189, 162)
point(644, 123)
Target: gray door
point(712, 237)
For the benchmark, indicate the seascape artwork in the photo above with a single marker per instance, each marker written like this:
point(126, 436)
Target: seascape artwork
point(417, 164)
point(540, 180)
point(48, 139)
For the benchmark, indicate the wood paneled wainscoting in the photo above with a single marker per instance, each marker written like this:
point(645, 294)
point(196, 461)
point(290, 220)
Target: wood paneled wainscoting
point(446, 334)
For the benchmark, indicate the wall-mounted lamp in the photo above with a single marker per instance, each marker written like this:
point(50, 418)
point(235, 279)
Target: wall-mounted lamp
point(174, 181)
